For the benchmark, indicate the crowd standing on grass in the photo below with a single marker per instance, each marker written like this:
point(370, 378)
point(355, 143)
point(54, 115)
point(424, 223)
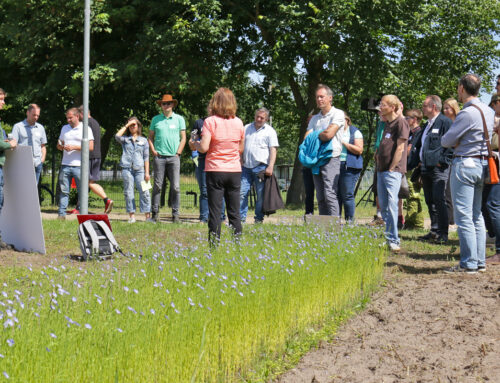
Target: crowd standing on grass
point(447, 158)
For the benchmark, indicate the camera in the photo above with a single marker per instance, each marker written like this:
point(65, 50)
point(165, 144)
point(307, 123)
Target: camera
point(194, 135)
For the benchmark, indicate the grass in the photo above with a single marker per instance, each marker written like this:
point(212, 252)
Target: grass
point(177, 311)
point(114, 190)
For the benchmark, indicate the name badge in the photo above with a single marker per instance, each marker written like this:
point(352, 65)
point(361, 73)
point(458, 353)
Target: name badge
point(388, 135)
point(173, 126)
point(435, 130)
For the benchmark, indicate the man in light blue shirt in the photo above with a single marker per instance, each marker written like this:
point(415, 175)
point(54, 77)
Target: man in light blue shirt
point(468, 171)
point(30, 133)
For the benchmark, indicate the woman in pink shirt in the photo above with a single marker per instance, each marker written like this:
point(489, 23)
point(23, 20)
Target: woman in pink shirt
point(223, 138)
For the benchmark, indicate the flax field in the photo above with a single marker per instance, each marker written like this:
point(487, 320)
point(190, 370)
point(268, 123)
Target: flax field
point(179, 311)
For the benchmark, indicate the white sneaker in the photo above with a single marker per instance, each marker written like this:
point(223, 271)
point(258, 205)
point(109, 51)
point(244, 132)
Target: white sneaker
point(393, 247)
point(131, 220)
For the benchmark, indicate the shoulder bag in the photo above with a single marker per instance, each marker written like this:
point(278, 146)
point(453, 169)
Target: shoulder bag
point(492, 176)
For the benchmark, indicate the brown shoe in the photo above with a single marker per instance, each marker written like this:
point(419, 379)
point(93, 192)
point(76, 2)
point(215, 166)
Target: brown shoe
point(377, 221)
point(493, 260)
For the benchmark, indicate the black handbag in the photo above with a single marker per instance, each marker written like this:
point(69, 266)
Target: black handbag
point(404, 190)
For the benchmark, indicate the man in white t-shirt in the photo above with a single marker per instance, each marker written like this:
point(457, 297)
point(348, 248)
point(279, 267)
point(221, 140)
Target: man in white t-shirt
point(259, 157)
point(330, 121)
point(70, 143)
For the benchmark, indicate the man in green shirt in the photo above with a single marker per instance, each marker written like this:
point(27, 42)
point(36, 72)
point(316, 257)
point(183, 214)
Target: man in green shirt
point(167, 137)
point(4, 145)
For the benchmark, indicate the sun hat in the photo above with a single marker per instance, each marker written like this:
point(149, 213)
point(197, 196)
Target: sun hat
point(167, 98)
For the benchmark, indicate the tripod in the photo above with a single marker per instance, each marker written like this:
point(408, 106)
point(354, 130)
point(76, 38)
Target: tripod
point(366, 196)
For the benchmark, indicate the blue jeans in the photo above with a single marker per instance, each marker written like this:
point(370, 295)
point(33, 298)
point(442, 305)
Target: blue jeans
point(38, 171)
point(65, 175)
point(202, 184)
point(131, 177)
point(249, 177)
point(388, 185)
point(466, 190)
point(347, 184)
point(493, 206)
point(201, 177)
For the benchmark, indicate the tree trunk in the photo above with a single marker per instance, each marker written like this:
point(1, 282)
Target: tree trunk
point(106, 141)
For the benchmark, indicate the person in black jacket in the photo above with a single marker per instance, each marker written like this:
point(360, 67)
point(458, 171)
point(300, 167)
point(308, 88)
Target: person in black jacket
point(434, 161)
point(414, 213)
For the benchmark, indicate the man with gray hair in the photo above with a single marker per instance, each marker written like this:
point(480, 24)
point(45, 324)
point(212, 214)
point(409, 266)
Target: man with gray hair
point(327, 124)
point(259, 157)
point(30, 133)
point(468, 170)
point(434, 162)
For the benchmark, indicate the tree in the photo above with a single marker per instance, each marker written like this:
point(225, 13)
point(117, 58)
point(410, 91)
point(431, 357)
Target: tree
point(359, 48)
point(138, 51)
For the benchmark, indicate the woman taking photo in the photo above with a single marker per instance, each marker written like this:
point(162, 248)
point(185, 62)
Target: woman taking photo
point(222, 139)
point(351, 164)
point(135, 166)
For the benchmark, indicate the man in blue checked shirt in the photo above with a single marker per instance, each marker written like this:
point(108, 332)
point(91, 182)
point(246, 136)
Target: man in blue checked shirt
point(30, 133)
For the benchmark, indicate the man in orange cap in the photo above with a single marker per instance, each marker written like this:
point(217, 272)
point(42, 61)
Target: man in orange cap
point(167, 137)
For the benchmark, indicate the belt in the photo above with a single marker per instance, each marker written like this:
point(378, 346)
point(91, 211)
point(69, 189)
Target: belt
point(160, 156)
point(478, 157)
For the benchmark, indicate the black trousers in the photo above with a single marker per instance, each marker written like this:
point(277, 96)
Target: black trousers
point(307, 176)
point(223, 185)
point(434, 183)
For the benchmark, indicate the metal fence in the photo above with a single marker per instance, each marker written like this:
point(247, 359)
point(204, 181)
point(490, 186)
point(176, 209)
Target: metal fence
point(112, 182)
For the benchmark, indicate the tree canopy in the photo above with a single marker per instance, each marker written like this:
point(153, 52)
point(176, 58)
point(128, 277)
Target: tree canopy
point(270, 53)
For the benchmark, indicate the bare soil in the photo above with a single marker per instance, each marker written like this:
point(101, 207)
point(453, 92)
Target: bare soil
point(421, 326)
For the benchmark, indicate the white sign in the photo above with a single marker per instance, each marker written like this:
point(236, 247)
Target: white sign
point(21, 219)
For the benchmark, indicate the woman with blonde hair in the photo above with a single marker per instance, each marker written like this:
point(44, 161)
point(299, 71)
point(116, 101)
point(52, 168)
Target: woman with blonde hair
point(223, 138)
point(451, 108)
point(135, 166)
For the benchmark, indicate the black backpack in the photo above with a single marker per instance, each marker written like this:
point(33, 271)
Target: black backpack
point(97, 240)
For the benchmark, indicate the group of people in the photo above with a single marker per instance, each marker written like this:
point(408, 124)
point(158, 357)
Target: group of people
point(230, 159)
point(331, 156)
point(448, 157)
point(166, 141)
point(31, 133)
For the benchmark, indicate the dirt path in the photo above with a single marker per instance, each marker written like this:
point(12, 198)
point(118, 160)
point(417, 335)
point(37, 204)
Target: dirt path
point(422, 326)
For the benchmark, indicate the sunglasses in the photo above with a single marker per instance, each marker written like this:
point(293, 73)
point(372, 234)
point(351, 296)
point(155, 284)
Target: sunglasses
point(166, 103)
